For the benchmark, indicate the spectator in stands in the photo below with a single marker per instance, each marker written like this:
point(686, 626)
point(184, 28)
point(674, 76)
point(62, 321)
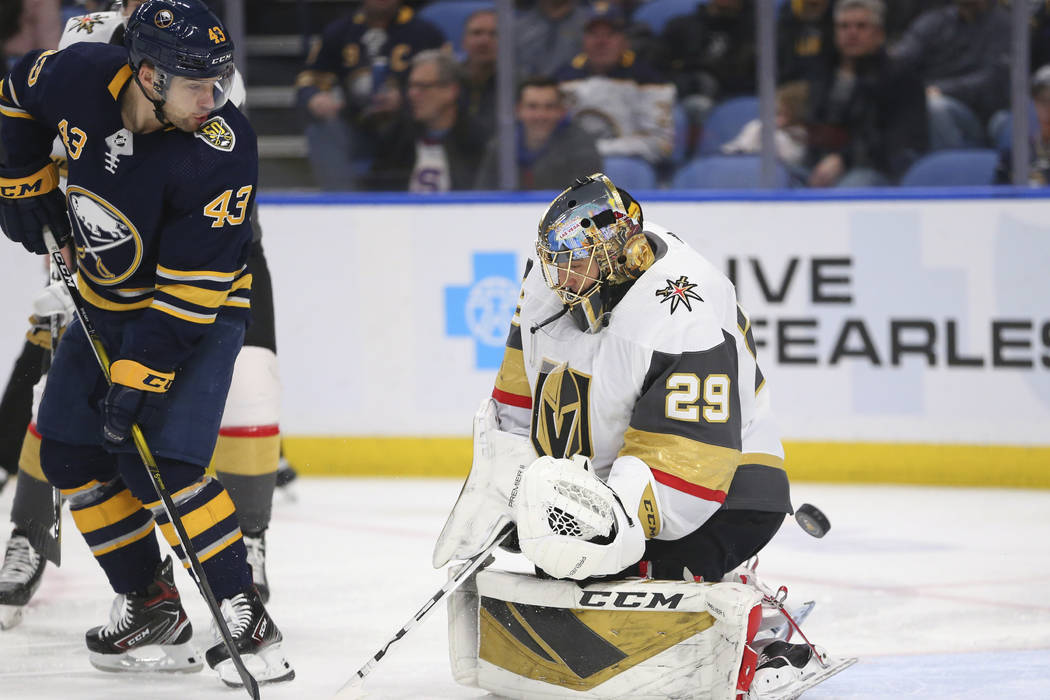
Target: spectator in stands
point(805, 38)
point(40, 26)
point(1039, 142)
point(624, 103)
point(477, 94)
point(1039, 40)
point(710, 54)
point(550, 149)
point(351, 84)
point(869, 118)
point(548, 36)
point(962, 53)
point(433, 147)
point(790, 138)
point(901, 13)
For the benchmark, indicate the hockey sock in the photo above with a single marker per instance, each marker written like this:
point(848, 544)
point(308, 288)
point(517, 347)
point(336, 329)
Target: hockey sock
point(245, 461)
point(118, 530)
point(210, 520)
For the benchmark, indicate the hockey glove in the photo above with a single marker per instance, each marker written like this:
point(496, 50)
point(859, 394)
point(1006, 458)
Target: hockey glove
point(30, 200)
point(135, 396)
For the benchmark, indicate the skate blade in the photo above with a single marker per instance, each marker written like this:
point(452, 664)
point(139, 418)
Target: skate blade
point(795, 690)
point(172, 658)
point(10, 616)
point(268, 666)
point(783, 632)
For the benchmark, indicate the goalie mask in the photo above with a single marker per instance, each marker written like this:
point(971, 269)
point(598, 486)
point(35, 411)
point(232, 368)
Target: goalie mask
point(186, 45)
point(590, 240)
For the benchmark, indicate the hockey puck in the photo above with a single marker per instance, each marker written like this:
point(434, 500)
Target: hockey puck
point(812, 520)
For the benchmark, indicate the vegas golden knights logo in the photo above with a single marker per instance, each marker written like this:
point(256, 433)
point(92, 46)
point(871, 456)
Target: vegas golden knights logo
point(561, 425)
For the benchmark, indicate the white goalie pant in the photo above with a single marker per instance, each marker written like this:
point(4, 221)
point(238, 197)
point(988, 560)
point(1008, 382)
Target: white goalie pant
point(255, 392)
point(523, 637)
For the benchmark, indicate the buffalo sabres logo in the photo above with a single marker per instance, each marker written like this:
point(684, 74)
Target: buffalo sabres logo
point(561, 425)
point(87, 23)
point(679, 292)
point(217, 133)
point(109, 248)
point(163, 19)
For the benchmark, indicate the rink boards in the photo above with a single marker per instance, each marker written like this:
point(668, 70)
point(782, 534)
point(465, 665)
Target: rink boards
point(903, 340)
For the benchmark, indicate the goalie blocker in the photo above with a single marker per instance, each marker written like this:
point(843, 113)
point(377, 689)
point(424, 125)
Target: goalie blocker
point(524, 637)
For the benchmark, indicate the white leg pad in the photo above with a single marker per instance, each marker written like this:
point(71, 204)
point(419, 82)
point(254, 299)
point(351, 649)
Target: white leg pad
point(541, 638)
point(255, 392)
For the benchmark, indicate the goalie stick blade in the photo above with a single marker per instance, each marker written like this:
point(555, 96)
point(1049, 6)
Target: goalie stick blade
point(796, 690)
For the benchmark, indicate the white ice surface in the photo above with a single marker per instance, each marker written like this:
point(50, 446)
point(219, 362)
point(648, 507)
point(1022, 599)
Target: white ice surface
point(943, 593)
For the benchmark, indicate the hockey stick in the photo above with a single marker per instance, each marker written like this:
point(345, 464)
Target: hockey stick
point(54, 552)
point(196, 571)
point(352, 688)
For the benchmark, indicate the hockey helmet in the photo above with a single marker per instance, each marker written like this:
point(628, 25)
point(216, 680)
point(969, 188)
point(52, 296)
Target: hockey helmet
point(591, 240)
point(180, 38)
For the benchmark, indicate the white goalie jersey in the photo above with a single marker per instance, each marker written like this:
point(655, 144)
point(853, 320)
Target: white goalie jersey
point(666, 400)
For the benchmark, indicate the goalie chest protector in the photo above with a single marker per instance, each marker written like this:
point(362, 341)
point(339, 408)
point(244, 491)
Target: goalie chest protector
point(542, 638)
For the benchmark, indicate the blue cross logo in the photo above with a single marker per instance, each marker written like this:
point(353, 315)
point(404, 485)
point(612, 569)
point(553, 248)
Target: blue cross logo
point(483, 308)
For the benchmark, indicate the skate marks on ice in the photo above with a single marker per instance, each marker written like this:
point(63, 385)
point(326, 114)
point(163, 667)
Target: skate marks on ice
point(939, 601)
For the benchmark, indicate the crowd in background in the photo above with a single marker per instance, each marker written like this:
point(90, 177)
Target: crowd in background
point(865, 89)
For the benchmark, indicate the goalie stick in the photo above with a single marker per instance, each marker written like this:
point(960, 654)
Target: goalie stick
point(352, 688)
point(195, 570)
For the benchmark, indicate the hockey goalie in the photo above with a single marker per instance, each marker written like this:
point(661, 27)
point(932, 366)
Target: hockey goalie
point(629, 439)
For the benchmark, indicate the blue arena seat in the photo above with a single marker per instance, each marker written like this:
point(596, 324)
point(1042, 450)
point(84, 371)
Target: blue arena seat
point(725, 121)
point(656, 13)
point(953, 168)
point(725, 172)
point(632, 173)
point(450, 17)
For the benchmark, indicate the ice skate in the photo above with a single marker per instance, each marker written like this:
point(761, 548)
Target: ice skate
point(148, 631)
point(785, 670)
point(20, 576)
point(286, 476)
point(257, 639)
point(256, 546)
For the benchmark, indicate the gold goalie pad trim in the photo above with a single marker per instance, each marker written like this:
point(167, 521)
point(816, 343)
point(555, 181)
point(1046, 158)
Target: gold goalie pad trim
point(537, 636)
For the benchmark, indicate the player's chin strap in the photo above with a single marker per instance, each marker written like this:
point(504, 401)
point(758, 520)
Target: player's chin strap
point(158, 105)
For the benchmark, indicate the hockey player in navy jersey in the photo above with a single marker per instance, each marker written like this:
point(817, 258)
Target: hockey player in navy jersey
point(162, 177)
point(247, 456)
point(629, 435)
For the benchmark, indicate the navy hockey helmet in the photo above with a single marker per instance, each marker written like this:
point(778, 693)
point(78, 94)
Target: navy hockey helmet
point(590, 240)
point(180, 38)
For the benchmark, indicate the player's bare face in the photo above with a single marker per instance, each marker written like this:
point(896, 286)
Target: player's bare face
point(579, 275)
point(189, 102)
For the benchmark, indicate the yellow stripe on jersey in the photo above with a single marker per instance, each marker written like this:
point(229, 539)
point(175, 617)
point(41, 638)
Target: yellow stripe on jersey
point(15, 113)
point(183, 314)
point(709, 466)
point(108, 512)
point(93, 298)
point(196, 275)
point(762, 458)
point(201, 518)
point(119, 80)
point(200, 296)
point(511, 377)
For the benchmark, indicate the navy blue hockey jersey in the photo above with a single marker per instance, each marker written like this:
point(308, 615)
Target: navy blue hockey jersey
point(161, 220)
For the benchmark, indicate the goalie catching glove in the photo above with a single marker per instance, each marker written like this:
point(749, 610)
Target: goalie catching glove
point(571, 524)
point(31, 201)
